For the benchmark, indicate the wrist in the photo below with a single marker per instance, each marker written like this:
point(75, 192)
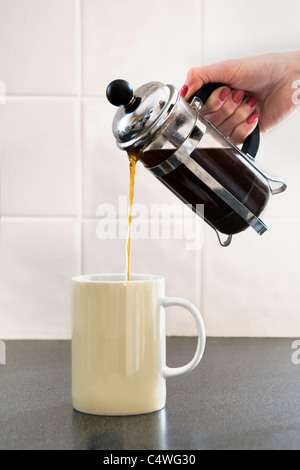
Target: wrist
point(295, 69)
point(298, 62)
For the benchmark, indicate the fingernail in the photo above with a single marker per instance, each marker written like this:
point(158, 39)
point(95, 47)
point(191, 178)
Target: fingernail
point(251, 101)
point(224, 93)
point(184, 91)
point(237, 96)
point(252, 118)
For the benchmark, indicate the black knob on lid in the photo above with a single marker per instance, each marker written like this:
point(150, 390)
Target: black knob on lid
point(119, 93)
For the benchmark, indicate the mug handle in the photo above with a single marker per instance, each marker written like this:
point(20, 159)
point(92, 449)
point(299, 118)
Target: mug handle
point(177, 301)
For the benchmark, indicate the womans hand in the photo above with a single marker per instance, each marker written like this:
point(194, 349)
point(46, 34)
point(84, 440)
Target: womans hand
point(262, 88)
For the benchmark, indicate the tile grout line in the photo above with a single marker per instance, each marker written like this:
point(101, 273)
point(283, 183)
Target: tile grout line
point(50, 218)
point(202, 22)
point(64, 98)
point(202, 251)
point(79, 129)
point(97, 218)
point(25, 98)
point(199, 257)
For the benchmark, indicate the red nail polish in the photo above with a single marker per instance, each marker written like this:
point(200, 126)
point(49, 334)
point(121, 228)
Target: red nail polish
point(252, 118)
point(237, 96)
point(251, 101)
point(184, 91)
point(224, 93)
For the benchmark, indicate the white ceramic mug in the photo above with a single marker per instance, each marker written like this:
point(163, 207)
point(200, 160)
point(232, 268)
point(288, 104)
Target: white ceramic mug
point(119, 343)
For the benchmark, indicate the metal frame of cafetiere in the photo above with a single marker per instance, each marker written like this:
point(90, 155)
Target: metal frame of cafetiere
point(192, 157)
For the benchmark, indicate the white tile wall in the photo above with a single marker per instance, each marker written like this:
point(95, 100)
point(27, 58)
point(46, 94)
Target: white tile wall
point(239, 28)
point(38, 47)
point(252, 288)
point(139, 41)
point(39, 157)
point(59, 162)
point(37, 259)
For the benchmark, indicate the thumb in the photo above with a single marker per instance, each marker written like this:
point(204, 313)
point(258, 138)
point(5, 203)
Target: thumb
point(221, 72)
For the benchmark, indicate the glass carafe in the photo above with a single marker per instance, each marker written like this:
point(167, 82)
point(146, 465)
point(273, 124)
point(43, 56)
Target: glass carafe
point(193, 158)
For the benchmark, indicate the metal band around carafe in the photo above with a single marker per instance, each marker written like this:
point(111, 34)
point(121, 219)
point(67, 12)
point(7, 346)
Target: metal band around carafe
point(182, 153)
point(182, 156)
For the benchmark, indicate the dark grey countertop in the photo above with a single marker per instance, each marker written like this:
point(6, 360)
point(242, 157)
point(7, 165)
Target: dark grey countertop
point(243, 395)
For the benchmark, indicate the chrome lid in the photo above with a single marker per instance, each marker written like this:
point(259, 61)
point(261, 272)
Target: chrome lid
point(142, 112)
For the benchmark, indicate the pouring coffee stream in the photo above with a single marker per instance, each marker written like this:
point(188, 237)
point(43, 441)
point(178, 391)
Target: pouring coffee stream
point(132, 164)
point(190, 156)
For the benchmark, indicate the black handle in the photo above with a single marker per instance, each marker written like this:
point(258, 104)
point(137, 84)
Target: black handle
point(251, 143)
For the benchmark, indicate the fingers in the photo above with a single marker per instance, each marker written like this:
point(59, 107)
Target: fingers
point(239, 115)
point(244, 129)
point(215, 104)
point(232, 113)
point(221, 105)
point(221, 72)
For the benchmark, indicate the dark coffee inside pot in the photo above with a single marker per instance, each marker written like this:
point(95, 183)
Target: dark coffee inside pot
point(221, 163)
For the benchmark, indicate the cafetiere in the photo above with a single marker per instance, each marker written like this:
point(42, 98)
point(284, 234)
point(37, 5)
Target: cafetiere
point(190, 156)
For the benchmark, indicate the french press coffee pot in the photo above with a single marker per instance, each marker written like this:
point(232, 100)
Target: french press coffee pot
point(192, 157)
